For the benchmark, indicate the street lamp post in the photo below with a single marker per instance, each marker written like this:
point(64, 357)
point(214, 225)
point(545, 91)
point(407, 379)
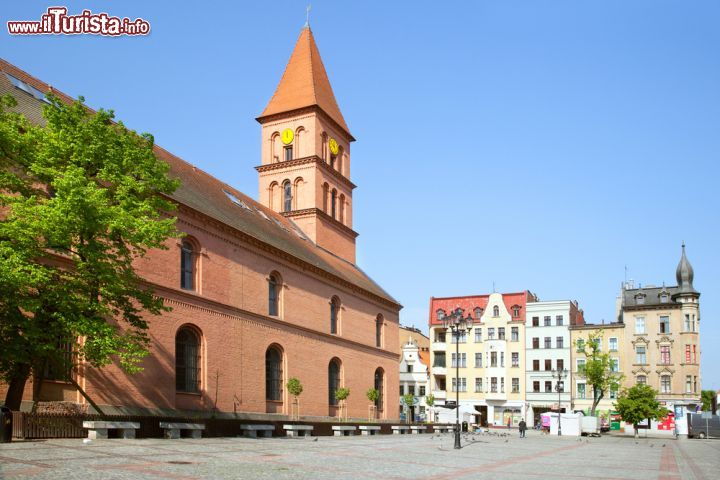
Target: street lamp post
point(456, 323)
point(560, 374)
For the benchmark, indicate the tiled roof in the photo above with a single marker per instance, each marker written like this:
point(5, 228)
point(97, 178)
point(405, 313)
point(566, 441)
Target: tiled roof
point(424, 358)
point(469, 303)
point(206, 194)
point(305, 83)
point(650, 295)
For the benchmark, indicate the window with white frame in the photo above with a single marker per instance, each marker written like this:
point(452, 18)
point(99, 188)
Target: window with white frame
point(515, 359)
point(580, 365)
point(478, 360)
point(478, 335)
point(640, 325)
point(613, 344)
point(581, 390)
point(478, 384)
point(665, 384)
point(640, 354)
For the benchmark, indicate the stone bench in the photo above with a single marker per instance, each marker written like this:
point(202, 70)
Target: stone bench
point(99, 429)
point(400, 429)
point(418, 428)
point(298, 430)
point(253, 431)
point(442, 428)
point(343, 430)
point(369, 429)
point(172, 429)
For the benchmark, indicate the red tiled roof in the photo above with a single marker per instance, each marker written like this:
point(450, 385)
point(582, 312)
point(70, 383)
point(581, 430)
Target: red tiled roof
point(470, 302)
point(204, 193)
point(305, 83)
point(424, 358)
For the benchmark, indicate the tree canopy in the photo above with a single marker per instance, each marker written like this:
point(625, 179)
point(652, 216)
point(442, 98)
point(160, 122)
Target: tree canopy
point(639, 403)
point(81, 198)
point(598, 371)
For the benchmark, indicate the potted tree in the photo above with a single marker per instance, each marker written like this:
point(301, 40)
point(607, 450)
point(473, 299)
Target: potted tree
point(372, 394)
point(341, 394)
point(294, 388)
point(409, 401)
point(430, 401)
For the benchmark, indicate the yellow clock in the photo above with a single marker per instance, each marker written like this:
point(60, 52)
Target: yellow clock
point(287, 136)
point(334, 147)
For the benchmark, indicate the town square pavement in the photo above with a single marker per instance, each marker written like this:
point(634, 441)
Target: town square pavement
point(388, 456)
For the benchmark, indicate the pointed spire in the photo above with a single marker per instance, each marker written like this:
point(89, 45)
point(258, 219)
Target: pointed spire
point(684, 274)
point(305, 83)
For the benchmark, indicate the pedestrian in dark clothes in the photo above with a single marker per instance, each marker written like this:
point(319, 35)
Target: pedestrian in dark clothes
point(522, 426)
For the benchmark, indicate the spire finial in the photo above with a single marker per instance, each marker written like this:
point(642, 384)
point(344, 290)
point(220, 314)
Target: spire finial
point(307, 16)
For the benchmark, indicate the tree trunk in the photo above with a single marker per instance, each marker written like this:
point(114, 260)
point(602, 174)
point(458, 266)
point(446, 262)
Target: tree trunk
point(636, 430)
point(16, 387)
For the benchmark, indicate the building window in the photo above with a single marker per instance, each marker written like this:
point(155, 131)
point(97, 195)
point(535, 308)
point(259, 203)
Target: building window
point(411, 390)
point(664, 324)
point(493, 359)
point(287, 196)
point(439, 359)
point(463, 385)
point(478, 384)
point(664, 298)
point(613, 344)
point(333, 203)
point(459, 336)
point(535, 343)
point(548, 387)
point(187, 360)
point(614, 365)
point(516, 311)
point(536, 387)
point(515, 359)
point(559, 342)
point(560, 363)
point(694, 349)
point(580, 345)
point(493, 385)
point(461, 364)
point(334, 314)
point(502, 385)
point(665, 384)
point(478, 313)
point(273, 295)
point(640, 299)
point(478, 360)
point(546, 320)
point(515, 385)
point(640, 357)
point(548, 365)
point(379, 331)
point(273, 374)
point(560, 387)
point(61, 367)
point(688, 384)
point(409, 368)
point(491, 333)
point(535, 321)
point(581, 390)
point(687, 354)
point(288, 153)
point(478, 335)
point(687, 322)
point(333, 380)
point(598, 344)
point(514, 334)
point(422, 390)
point(641, 380)
point(548, 342)
point(496, 311)
point(613, 393)
point(440, 314)
point(439, 336)
point(536, 365)
point(380, 387)
point(580, 365)
point(559, 320)
point(502, 359)
point(640, 325)
point(187, 266)
point(665, 354)
point(501, 333)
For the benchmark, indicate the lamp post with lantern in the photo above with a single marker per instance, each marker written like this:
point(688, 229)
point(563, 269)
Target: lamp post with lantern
point(457, 324)
point(560, 374)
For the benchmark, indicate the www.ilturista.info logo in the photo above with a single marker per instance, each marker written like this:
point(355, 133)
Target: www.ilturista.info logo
point(57, 22)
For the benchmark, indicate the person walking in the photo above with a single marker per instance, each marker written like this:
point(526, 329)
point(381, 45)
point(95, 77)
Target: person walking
point(522, 426)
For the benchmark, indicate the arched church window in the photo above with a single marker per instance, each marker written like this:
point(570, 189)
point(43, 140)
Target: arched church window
point(287, 196)
point(333, 204)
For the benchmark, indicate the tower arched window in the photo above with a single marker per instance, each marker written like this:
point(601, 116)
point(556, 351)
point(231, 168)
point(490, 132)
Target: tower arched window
point(287, 196)
point(326, 197)
point(274, 287)
point(187, 360)
point(188, 265)
point(333, 204)
point(273, 374)
point(379, 323)
point(341, 207)
point(496, 311)
point(333, 380)
point(334, 315)
point(380, 387)
point(324, 149)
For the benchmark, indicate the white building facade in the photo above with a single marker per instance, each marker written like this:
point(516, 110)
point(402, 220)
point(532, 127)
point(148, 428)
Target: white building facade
point(414, 380)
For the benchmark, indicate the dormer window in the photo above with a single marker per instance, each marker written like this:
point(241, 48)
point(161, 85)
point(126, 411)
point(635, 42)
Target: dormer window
point(640, 299)
point(516, 311)
point(440, 314)
point(496, 311)
point(664, 297)
point(478, 313)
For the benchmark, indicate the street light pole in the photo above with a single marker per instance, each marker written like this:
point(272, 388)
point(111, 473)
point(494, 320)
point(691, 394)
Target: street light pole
point(561, 373)
point(456, 323)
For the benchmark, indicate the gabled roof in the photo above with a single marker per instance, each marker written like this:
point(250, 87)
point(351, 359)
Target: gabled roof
point(305, 84)
point(206, 194)
point(470, 302)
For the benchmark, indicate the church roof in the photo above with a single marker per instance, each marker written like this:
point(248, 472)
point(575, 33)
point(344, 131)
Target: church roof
point(210, 196)
point(305, 83)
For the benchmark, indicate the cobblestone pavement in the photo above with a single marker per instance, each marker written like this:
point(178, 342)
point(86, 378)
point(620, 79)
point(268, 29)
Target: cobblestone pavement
point(388, 456)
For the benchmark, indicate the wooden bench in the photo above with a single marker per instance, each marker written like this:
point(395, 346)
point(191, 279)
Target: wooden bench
point(369, 429)
point(442, 428)
point(253, 431)
point(99, 429)
point(298, 430)
point(400, 429)
point(343, 430)
point(173, 429)
point(418, 428)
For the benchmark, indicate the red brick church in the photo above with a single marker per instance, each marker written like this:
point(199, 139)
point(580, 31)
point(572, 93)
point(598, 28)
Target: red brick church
point(260, 291)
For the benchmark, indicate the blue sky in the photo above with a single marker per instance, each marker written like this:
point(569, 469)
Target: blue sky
point(537, 145)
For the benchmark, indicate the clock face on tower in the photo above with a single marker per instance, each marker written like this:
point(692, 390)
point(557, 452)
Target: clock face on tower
point(287, 136)
point(334, 148)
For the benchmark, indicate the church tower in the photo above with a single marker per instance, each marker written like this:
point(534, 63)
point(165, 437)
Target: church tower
point(305, 170)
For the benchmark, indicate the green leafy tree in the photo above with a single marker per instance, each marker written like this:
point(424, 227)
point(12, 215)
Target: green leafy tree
point(81, 199)
point(372, 394)
point(342, 393)
point(707, 397)
point(598, 372)
point(430, 400)
point(294, 387)
point(638, 404)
